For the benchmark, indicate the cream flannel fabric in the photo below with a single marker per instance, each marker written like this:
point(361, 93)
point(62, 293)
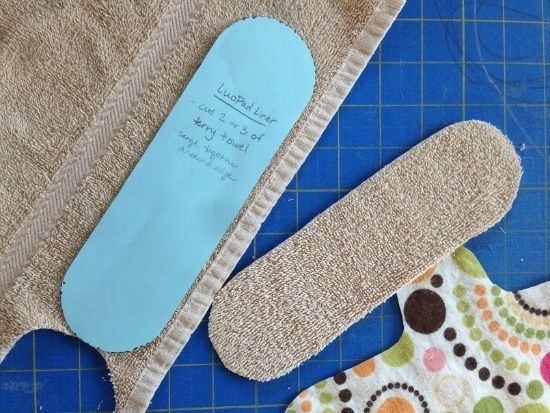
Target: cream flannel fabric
point(467, 346)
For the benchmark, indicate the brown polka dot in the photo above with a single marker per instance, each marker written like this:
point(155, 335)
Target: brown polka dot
point(425, 275)
point(484, 373)
point(498, 382)
point(514, 389)
point(437, 281)
point(345, 395)
point(449, 334)
point(340, 378)
point(459, 349)
point(424, 311)
point(470, 363)
point(347, 410)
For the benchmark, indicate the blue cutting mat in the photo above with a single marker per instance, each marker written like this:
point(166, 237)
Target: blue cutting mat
point(443, 61)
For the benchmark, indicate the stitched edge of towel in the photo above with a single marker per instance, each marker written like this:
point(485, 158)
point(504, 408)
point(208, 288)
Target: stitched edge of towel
point(94, 142)
point(211, 279)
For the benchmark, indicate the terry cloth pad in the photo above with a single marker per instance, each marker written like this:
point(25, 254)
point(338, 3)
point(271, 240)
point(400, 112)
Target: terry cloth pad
point(292, 302)
point(84, 87)
point(467, 346)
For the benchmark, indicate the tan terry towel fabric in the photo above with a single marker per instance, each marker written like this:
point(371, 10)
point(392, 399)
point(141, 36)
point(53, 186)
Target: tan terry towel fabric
point(295, 300)
point(84, 86)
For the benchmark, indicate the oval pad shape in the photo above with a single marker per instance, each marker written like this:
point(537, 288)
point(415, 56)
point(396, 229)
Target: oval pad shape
point(160, 230)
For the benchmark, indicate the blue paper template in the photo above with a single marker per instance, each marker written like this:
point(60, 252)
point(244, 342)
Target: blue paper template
point(147, 250)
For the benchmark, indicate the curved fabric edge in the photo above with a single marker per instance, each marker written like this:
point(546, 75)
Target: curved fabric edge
point(212, 278)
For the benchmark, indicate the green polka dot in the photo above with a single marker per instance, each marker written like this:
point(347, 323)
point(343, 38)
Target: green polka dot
point(485, 346)
point(321, 384)
point(498, 301)
point(400, 354)
point(328, 411)
point(497, 355)
point(290, 411)
point(495, 290)
point(462, 306)
point(468, 263)
point(541, 334)
point(511, 363)
point(520, 328)
point(468, 320)
point(535, 389)
point(503, 312)
point(511, 321)
point(530, 332)
point(489, 404)
point(533, 408)
point(475, 334)
point(524, 368)
point(325, 398)
point(459, 291)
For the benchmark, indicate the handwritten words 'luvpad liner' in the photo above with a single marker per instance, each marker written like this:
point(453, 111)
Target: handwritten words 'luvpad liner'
point(145, 253)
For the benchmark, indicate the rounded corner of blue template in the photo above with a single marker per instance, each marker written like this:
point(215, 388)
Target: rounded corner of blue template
point(145, 253)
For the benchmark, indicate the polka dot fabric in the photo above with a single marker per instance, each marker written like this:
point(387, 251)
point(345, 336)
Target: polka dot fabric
point(467, 346)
